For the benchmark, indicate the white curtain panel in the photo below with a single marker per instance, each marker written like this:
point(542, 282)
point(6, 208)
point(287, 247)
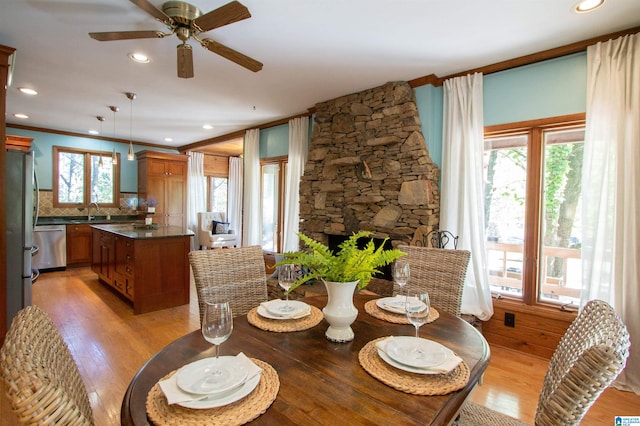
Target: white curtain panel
point(252, 233)
point(298, 150)
point(610, 188)
point(196, 195)
point(461, 199)
point(234, 197)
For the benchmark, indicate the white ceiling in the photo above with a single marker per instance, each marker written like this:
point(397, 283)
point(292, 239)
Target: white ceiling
point(311, 50)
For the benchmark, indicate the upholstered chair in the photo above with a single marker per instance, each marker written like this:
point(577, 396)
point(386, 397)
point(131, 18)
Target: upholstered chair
point(209, 237)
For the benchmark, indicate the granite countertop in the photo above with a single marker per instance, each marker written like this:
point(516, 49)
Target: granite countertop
point(138, 231)
point(79, 220)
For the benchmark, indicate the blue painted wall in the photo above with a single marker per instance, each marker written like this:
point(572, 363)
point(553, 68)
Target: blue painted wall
point(43, 144)
point(546, 89)
point(274, 141)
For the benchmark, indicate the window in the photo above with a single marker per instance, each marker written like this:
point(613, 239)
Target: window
point(217, 194)
point(273, 175)
point(532, 210)
point(81, 177)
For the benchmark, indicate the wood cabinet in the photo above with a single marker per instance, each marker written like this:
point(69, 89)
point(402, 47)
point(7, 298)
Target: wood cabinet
point(152, 273)
point(163, 176)
point(78, 245)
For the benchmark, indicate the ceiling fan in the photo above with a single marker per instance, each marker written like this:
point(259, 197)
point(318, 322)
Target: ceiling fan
point(186, 21)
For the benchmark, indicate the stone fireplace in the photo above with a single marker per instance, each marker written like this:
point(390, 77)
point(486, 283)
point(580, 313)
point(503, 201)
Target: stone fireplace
point(368, 168)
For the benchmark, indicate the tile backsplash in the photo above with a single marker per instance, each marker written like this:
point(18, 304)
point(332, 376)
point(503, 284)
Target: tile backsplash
point(128, 201)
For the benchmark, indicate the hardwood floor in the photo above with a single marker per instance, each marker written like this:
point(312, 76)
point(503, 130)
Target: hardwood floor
point(110, 344)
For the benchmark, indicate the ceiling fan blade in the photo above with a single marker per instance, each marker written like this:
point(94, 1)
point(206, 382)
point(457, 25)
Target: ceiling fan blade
point(153, 11)
point(224, 15)
point(232, 55)
point(185, 61)
point(126, 35)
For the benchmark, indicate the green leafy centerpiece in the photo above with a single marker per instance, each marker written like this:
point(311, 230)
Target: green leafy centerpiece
point(341, 271)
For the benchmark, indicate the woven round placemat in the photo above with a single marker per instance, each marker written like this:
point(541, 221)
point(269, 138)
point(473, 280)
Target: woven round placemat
point(237, 413)
point(284, 326)
point(413, 383)
point(375, 311)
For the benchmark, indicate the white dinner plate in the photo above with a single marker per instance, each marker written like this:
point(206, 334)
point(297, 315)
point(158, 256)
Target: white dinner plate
point(397, 304)
point(263, 312)
point(416, 352)
point(213, 401)
point(196, 377)
point(276, 307)
point(386, 358)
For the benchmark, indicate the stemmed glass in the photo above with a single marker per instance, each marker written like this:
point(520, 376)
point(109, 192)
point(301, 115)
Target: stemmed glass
point(217, 324)
point(417, 314)
point(286, 278)
point(401, 273)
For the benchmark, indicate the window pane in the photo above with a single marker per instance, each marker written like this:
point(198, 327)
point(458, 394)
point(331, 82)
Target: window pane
point(101, 180)
point(270, 189)
point(70, 177)
point(219, 194)
point(505, 167)
point(561, 265)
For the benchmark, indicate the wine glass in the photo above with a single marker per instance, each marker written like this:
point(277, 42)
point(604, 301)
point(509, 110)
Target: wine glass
point(286, 278)
point(417, 313)
point(217, 324)
point(401, 273)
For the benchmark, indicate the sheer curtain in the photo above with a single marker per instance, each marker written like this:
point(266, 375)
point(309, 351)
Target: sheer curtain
point(461, 198)
point(252, 233)
point(196, 195)
point(234, 197)
point(610, 194)
point(298, 149)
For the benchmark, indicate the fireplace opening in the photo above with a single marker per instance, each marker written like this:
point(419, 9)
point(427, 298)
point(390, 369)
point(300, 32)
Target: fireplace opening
point(334, 240)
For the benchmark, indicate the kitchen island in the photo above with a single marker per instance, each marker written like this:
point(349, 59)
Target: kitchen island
point(147, 265)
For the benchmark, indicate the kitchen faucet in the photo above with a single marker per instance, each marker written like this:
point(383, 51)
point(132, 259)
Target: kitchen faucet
point(89, 217)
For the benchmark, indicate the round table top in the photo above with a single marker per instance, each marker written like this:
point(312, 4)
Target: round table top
point(322, 382)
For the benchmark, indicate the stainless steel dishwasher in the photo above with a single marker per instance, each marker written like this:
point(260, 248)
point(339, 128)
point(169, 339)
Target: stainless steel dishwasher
point(52, 243)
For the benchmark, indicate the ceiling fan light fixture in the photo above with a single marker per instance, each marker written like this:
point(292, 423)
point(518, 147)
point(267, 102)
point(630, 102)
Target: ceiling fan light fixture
point(588, 5)
point(185, 61)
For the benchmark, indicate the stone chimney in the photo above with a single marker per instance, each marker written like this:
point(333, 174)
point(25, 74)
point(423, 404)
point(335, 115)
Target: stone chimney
point(368, 168)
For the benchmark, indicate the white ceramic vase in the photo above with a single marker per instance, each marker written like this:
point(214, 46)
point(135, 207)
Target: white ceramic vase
point(340, 312)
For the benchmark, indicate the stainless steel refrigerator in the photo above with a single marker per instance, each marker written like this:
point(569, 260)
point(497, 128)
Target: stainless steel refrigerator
point(21, 211)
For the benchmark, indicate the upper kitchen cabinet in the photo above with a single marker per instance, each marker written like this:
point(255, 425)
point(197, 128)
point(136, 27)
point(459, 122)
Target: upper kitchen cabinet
point(163, 176)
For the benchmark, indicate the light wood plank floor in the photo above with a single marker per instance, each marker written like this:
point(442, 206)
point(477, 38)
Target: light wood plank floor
point(110, 344)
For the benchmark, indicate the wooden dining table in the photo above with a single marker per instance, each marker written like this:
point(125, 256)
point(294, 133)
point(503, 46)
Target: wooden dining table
point(322, 382)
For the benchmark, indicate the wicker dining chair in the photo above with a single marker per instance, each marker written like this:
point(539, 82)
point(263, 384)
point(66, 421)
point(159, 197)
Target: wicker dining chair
point(590, 355)
point(234, 274)
point(439, 271)
point(40, 377)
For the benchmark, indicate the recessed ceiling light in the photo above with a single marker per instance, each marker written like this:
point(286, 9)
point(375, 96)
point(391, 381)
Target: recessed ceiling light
point(20, 115)
point(94, 132)
point(588, 5)
point(207, 127)
point(139, 57)
point(27, 91)
point(168, 139)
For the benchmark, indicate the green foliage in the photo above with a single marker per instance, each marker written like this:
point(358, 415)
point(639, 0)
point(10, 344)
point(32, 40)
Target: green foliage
point(350, 263)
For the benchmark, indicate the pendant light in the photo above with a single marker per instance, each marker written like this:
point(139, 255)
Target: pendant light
point(114, 157)
point(100, 119)
point(131, 97)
